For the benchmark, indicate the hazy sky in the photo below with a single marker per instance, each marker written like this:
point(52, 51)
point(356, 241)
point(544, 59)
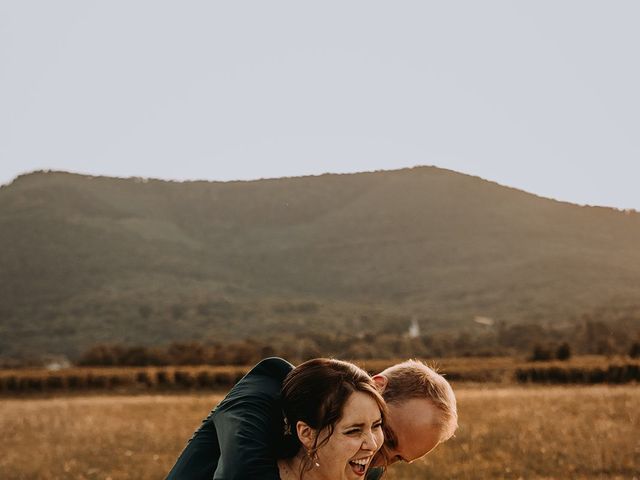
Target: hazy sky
point(539, 95)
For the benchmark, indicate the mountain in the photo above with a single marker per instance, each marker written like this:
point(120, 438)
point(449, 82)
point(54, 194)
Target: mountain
point(95, 259)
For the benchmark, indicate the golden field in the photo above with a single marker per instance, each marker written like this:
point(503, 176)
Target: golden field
point(510, 432)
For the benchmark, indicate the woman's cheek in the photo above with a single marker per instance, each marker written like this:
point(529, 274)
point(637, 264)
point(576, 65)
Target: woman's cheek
point(355, 444)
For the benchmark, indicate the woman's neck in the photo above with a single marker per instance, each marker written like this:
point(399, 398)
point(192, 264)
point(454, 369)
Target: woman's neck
point(290, 469)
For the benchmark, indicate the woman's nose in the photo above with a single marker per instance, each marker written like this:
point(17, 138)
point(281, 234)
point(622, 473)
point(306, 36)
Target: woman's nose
point(370, 442)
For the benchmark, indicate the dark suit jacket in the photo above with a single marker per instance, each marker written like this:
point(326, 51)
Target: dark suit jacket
point(240, 437)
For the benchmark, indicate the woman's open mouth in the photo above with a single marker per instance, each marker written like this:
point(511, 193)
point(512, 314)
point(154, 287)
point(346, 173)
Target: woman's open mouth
point(359, 466)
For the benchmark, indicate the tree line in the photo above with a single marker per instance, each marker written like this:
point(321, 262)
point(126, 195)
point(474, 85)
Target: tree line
point(531, 342)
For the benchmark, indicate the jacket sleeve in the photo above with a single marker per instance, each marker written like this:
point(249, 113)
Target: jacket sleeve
point(200, 456)
point(245, 436)
point(375, 473)
point(248, 424)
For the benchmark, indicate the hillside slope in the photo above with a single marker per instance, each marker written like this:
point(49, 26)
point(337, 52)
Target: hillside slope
point(91, 259)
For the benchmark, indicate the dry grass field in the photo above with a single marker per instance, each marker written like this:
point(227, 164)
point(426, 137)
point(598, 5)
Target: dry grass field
point(510, 432)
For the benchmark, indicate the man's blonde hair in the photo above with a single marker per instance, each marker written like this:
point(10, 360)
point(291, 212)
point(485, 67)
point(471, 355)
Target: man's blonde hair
point(415, 379)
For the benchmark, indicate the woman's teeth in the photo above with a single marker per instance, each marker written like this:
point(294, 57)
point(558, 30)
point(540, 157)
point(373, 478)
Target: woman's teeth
point(359, 466)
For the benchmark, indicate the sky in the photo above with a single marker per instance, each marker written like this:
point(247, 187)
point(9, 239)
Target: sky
point(538, 95)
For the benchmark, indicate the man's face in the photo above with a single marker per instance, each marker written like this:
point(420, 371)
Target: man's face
point(412, 429)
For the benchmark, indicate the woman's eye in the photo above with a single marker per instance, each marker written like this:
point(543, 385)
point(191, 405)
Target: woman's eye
point(378, 425)
point(351, 432)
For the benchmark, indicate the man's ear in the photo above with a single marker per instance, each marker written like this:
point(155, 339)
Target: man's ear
point(306, 434)
point(381, 382)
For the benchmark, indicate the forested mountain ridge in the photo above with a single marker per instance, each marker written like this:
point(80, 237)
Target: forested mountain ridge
point(95, 259)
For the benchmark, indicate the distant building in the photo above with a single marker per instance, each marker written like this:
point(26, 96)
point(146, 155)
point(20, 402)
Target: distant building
point(484, 321)
point(414, 329)
point(57, 363)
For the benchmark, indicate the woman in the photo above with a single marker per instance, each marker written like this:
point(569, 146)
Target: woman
point(333, 416)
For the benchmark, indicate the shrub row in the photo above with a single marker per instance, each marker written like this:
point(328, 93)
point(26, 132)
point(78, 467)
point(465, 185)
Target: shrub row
point(623, 373)
point(15, 382)
point(130, 379)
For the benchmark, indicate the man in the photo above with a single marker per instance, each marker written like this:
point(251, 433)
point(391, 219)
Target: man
point(422, 410)
point(237, 440)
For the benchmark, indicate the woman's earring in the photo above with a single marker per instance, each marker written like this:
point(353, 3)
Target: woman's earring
point(287, 427)
point(314, 457)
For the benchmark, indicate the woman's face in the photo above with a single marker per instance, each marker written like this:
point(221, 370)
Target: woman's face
point(356, 438)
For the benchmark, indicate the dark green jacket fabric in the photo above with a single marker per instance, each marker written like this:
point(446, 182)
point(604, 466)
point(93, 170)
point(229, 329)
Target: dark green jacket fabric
point(239, 438)
point(236, 440)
